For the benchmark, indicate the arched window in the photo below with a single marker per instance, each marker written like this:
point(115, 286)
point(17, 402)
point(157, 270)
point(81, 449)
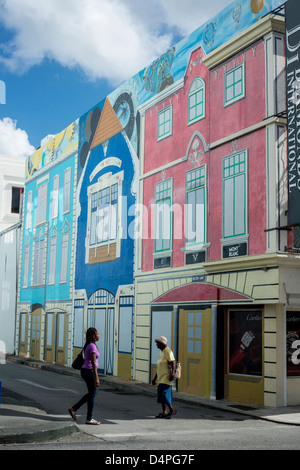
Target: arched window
point(196, 100)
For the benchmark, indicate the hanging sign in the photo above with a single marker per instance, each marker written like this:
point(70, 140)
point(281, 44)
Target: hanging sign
point(292, 25)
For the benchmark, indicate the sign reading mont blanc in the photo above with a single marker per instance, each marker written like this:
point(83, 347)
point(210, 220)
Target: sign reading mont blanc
point(292, 12)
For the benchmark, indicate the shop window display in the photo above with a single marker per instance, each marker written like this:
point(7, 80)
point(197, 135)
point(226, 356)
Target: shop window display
point(245, 342)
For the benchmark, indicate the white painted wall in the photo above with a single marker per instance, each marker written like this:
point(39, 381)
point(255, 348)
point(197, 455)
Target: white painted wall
point(9, 257)
point(12, 173)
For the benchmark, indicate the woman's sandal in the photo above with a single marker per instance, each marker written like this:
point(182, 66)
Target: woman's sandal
point(93, 421)
point(161, 415)
point(171, 413)
point(73, 414)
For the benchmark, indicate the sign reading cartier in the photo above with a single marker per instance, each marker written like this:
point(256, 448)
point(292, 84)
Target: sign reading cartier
point(292, 14)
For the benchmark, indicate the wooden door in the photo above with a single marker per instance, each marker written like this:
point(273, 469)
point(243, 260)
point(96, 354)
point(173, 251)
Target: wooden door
point(195, 351)
point(23, 334)
point(50, 337)
point(61, 338)
point(35, 341)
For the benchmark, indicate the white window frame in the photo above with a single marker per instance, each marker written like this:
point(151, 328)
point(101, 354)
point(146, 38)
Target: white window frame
point(197, 89)
point(234, 172)
point(39, 262)
point(55, 194)
point(106, 182)
point(41, 212)
point(195, 185)
point(230, 82)
point(67, 191)
point(64, 258)
point(26, 266)
point(52, 260)
point(162, 133)
point(163, 212)
point(29, 211)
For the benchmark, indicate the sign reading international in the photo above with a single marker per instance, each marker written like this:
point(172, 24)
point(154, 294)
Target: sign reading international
point(292, 17)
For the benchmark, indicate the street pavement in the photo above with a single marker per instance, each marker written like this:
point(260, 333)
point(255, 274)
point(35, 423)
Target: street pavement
point(23, 421)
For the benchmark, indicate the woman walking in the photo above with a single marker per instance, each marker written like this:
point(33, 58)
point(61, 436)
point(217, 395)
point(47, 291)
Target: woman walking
point(89, 374)
point(164, 390)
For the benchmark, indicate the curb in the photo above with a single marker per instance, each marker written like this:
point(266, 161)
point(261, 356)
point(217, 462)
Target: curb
point(40, 436)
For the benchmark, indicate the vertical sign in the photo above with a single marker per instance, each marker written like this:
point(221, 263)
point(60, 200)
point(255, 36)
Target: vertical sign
point(292, 17)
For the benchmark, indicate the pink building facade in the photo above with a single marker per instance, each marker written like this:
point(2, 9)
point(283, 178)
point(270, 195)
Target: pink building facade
point(215, 260)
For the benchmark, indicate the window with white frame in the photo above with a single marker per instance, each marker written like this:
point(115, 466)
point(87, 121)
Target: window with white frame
point(195, 207)
point(163, 216)
point(64, 257)
point(26, 266)
point(67, 190)
point(196, 100)
point(39, 262)
point(78, 331)
point(234, 84)
point(52, 259)
point(164, 123)
point(29, 211)
point(42, 203)
point(16, 197)
point(104, 217)
point(55, 192)
point(235, 195)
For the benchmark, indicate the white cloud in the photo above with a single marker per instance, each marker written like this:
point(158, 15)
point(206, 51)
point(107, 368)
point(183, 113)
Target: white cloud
point(13, 141)
point(99, 36)
point(111, 39)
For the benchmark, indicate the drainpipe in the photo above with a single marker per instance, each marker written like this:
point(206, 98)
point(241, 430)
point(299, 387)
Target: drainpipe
point(284, 358)
point(213, 393)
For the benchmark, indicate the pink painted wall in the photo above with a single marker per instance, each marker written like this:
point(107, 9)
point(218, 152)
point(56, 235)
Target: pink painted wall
point(225, 121)
point(218, 124)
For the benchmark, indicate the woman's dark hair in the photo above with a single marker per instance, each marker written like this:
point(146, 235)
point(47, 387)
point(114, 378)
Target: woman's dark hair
point(90, 333)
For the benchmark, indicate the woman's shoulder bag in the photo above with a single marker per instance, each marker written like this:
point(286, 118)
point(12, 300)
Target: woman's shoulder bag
point(78, 361)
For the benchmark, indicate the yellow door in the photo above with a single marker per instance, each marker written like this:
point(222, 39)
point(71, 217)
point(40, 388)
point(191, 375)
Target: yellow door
point(194, 351)
point(49, 341)
point(35, 341)
point(23, 334)
point(61, 328)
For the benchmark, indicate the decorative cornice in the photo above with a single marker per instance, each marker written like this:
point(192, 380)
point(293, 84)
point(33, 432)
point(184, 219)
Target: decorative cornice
point(244, 39)
point(242, 263)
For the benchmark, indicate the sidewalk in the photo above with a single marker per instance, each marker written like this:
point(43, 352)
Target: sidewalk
point(22, 421)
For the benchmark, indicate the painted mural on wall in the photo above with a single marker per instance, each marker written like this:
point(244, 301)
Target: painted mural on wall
point(56, 148)
point(47, 245)
point(95, 162)
point(171, 66)
point(106, 196)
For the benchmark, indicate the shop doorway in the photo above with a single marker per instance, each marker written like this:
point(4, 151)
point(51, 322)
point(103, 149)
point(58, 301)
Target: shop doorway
point(56, 338)
point(194, 351)
point(163, 323)
point(101, 315)
point(23, 334)
point(50, 337)
point(125, 336)
point(35, 338)
point(244, 356)
point(61, 338)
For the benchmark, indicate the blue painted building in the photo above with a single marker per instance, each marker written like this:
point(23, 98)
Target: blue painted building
point(46, 273)
point(106, 198)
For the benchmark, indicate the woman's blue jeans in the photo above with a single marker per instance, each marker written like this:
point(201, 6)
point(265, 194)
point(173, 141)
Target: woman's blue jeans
point(89, 398)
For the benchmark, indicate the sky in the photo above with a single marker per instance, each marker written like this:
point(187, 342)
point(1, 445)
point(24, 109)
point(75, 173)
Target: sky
point(60, 58)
